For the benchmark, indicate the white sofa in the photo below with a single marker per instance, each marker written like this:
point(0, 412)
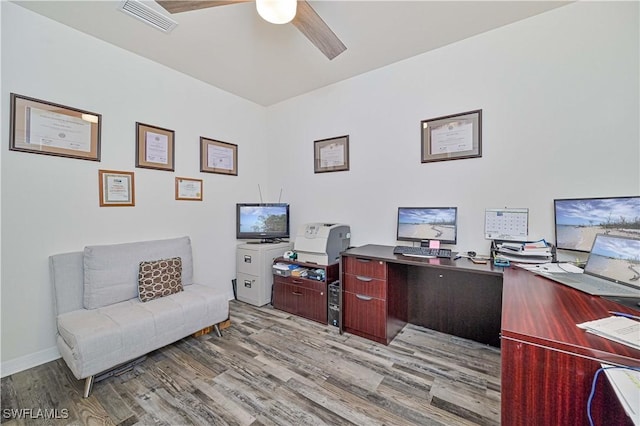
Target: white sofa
point(101, 322)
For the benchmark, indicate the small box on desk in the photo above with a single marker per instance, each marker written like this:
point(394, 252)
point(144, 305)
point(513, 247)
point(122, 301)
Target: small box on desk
point(283, 269)
point(282, 272)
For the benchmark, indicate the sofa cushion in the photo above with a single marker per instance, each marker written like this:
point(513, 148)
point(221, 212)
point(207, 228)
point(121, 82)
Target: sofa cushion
point(111, 271)
point(159, 278)
point(92, 341)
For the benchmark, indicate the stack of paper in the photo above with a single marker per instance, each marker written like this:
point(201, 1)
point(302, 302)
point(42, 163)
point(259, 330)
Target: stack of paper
point(626, 384)
point(534, 252)
point(285, 266)
point(619, 329)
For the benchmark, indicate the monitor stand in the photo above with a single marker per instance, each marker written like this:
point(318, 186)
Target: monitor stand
point(263, 241)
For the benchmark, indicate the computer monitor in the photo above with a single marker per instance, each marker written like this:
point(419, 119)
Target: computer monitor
point(266, 222)
point(428, 223)
point(579, 220)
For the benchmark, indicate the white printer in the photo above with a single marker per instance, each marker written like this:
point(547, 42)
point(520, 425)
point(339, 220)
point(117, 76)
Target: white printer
point(322, 243)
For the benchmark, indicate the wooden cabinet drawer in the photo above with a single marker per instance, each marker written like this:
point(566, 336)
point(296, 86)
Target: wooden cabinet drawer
point(301, 301)
point(367, 286)
point(301, 282)
point(364, 314)
point(364, 267)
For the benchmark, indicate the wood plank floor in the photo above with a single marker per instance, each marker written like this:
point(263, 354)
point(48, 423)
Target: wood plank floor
point(273, 368)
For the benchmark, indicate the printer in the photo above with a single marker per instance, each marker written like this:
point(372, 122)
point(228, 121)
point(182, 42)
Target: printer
point(321, 243)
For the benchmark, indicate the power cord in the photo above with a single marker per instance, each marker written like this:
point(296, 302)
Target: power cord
point(593, 387)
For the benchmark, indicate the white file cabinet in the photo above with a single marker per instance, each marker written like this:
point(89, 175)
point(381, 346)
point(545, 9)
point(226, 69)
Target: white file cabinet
point(254, 274)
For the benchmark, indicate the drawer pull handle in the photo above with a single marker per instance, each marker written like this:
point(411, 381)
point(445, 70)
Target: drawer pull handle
point(365, 279)
point(359, 259)
point(366, 298)
point(297, 281)
point(295, 293)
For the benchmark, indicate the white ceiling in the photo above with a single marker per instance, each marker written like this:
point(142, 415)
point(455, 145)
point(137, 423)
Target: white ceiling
point(232, 48)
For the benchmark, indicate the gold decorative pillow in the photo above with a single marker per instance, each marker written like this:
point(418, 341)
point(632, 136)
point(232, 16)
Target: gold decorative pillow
point(159, 278)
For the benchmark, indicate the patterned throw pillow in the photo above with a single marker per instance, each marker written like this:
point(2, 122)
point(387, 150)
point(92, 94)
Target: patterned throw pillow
point(159, 278)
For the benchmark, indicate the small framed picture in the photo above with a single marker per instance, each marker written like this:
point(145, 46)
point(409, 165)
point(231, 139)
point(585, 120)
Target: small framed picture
point(154, 147)
point(331, 155)
point(188, 189)
point(452, 137)
point(116, 188)
point(218, 157)
point(42, 127)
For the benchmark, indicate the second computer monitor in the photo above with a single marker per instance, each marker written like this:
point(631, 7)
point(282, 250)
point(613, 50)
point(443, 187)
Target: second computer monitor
point(428, 223)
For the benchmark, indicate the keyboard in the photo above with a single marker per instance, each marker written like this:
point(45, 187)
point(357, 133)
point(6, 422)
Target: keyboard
point(422, 251)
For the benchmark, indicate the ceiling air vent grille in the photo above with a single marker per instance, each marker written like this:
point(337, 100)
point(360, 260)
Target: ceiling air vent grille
point(146, 14)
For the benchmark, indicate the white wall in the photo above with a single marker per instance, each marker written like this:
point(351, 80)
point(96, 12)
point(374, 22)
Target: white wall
point(560, 100)
point(50, 204)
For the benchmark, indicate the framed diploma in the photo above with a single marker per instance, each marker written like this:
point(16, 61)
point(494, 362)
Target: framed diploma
point(46, 128)
point(154, 147)
point(452, 137)
point(116, 188)
point(188, 189)
point(331, 155)
point(218, 157)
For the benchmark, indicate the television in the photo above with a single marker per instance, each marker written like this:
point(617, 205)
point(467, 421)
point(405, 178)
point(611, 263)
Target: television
point(578, 220)
point(266, 222)
point(428, 223)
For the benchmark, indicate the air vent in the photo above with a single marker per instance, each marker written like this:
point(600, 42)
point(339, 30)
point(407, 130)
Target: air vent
point(147, 15)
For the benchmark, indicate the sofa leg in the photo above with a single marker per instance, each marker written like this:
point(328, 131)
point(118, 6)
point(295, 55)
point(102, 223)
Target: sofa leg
point(217, 330)
point(88, 384)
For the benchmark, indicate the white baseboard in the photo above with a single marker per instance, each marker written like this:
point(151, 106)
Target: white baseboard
point(22, 363)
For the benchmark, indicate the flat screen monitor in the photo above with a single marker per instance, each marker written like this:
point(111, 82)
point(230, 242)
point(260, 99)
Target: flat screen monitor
point(428, 223)
point(579, 220)
point(266, 222)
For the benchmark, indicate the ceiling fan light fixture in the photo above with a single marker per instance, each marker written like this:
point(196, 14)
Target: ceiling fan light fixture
point(277, 11)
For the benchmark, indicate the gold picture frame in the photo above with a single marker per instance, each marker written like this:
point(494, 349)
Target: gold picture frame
point(116, 188)
point(218, 157)
point(155, 147)
point(42, 127)
point(188, 189)
point(331, 155)
point(452, 137)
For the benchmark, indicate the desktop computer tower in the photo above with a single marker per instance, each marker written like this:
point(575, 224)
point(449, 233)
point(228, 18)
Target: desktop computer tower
point(333, 302)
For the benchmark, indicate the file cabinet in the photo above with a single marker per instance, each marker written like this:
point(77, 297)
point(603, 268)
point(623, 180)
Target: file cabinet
point(254, 276)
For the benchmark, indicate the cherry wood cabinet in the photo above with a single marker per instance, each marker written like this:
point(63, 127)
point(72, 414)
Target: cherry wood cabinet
point(303, 296)
point(374, 299)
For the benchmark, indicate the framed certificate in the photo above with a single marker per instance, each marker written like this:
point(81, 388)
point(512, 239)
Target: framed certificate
point(218, 157)
point(331, 155)
point(116, 188)
point(42, 127)
point(154, 147)
point(188, 189)
point(452, 137)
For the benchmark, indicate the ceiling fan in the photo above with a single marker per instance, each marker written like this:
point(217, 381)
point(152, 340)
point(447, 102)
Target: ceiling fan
point(306, 20)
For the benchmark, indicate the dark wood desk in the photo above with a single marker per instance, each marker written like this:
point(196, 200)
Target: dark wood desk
point(383, 291)
point(548, 363)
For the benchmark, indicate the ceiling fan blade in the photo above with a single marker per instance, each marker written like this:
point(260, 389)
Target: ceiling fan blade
point(177, 6)
point(317, 31)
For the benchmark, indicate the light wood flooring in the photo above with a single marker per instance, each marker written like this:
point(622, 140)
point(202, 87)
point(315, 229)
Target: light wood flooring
point(273, 368)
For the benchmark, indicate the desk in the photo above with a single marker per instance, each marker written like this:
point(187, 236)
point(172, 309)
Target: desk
point(383, 291)
point(547, 362)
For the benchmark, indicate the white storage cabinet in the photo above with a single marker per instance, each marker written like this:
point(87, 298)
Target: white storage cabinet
point(254, 274)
